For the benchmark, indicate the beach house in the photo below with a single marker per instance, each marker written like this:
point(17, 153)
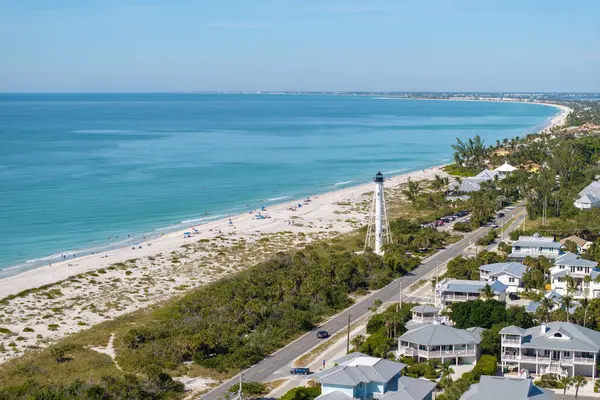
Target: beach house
point(362, 377)
point(450, 291)
point(583, 273)
point(473, 184)
point(559, 348)
point(442, 342)
point(582, 244)
point(589, 197)
point(423, 314)
point(502, 387)
point(534, 246)
point(509, 273)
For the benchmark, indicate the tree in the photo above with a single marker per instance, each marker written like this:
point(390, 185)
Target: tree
point(565, 383)
point(584, 303)
point(446, 369)
point(578, 382)
point(571, 246)
point(487, 292)
point(566, 302)
point(357, 341)
point(412, 191)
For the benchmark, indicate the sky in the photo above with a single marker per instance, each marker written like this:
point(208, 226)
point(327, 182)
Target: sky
point(261, 45)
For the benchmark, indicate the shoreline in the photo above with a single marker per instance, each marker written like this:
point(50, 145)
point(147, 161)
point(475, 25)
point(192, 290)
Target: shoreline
point(72, 295)
point(55, 269)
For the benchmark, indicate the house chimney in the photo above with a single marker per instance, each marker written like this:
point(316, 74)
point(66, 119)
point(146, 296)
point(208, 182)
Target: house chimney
point(543, 328)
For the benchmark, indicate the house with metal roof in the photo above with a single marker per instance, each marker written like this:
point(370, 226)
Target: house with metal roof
point(423, 314)
point(450, 291)
point(443, 342)
point(534, 246)
point(553, 295)
point(589, 197)
point(504, 170)
point(509, 273)
point(502, 387)
point(583, 273)
point(559, 348)
point(359, 376)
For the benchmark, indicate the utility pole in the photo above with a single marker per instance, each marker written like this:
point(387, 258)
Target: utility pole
point(348, 336)
point(400, 303)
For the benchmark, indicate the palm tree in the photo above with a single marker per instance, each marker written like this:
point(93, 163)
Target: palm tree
point(487, 292)
point(412, 191)
point(585, 303)
point(578, 382)
point(567, 302)
point(357, 341)
point(570, 284)
point(548, 304)
point(565, 382)
point(446, 370)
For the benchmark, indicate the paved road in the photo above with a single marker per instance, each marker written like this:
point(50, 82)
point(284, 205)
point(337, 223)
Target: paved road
point(264, 370)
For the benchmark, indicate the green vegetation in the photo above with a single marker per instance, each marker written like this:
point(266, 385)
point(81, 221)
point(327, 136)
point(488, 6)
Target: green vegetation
point(302, 393)
point(485, 314)
point(454, 170)
point(250, 388)
point(384, 328)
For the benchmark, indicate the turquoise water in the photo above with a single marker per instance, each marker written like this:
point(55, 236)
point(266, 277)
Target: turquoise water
point(76, 169)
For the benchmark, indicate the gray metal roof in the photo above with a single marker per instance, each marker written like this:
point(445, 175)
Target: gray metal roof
point(533, 306)
point(425, 309)
point(512, 330)
point(501, 388)
point(410, 389)
point(543, 242)
point(475, 332)
point(592, 190)
point(361, 369)
point(579, 338)
point(466, 286)
point(510, 268)
point(439, 335)
point(337, 395)
point(559, 273)
point(572, 259)
point(349, 357)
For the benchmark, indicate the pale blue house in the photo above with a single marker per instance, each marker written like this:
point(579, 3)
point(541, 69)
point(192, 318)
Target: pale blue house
point(359, 376)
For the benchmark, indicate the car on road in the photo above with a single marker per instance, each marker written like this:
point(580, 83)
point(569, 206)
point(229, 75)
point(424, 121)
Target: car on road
point(494, 225)
point(300, 371)
point(322, 334)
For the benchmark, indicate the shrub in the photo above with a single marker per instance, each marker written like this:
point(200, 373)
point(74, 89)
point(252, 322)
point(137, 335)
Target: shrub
point(548, 381)
point(250, 388)
point(302, 393)
point(463, 227)
point(487, 365)
point(27, 329)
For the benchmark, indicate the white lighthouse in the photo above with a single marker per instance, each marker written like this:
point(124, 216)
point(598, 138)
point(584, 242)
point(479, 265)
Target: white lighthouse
point(378, 231)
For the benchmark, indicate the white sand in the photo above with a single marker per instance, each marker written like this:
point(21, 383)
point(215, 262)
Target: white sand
point(170, 265)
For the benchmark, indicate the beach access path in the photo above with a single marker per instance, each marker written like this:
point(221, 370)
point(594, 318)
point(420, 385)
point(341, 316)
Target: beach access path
point(268, 368)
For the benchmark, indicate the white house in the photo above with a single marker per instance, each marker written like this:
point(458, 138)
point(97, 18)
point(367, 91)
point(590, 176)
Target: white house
point(359, 376)
point(503, 387)
point(589, 197)
point(443, 342)
point(509, 273)
point(553, 295)
point(559, 348)
point(534, 246)
point(450, 291)
point(423, 314)
point(584, 273)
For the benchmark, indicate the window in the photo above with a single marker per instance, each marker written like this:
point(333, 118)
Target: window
point(511, 280)
point(566, 354)
point(558, 335)
point(579, 269)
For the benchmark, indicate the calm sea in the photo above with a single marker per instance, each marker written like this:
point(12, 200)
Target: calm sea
point(76, 169)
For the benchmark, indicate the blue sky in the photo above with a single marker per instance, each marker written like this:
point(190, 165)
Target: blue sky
point(413, 45)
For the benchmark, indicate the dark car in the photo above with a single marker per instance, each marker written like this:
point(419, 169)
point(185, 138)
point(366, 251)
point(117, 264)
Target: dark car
point(322, 334)
point(300, 371)
point(500, 215)
point(513, 296)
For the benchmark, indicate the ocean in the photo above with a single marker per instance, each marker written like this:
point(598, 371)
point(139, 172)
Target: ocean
point(79, 170)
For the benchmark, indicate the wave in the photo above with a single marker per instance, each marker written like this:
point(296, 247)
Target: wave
point(279, 198)
point(395, 171)
point(342, 183)
point(101, 131)
point(187, 221)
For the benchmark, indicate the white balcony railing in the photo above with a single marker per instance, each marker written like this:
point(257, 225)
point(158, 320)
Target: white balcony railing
point(583, 360)
point(511, 342)
point(516, 357)
point(409, 351)
point(554, 369)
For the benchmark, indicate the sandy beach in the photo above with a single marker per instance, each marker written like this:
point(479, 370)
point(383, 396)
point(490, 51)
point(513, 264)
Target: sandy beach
point(95, 288)
point(72, 295)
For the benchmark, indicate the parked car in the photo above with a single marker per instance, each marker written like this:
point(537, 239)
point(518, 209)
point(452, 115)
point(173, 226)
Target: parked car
point(513, 296)
point(300, 371)
point(494, 225)
point(322, 334)
point(500, 215)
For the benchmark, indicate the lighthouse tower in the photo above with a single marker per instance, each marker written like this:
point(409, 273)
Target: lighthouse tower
point(378, 231)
